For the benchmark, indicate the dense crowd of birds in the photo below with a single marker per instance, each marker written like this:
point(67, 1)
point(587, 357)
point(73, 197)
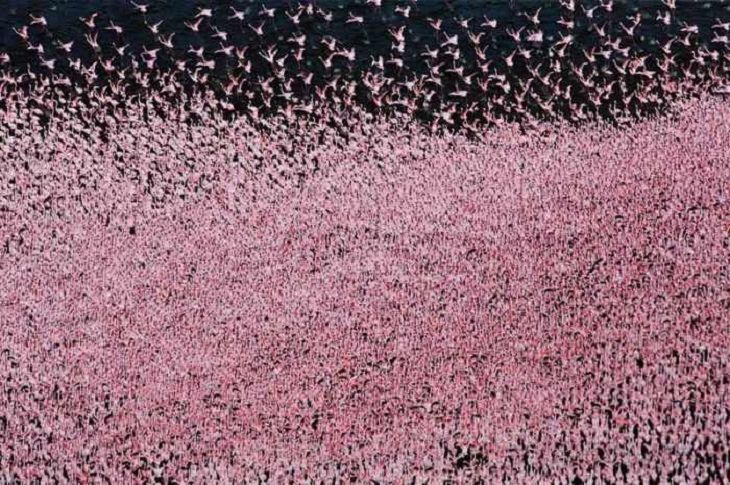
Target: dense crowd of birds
point(183, 303)
point(584, 61)
point(248, 264)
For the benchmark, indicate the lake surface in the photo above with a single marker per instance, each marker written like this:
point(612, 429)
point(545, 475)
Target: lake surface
point(64, 24)
point(372, 39)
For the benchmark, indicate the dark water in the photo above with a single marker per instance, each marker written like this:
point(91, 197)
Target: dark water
point(371, 38)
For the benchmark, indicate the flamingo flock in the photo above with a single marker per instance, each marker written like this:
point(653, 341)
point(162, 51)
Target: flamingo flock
point(590, 62)
point(290, 258)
